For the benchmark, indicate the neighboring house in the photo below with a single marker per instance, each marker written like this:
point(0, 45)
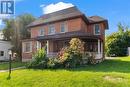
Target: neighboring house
point(4, 47)
point(55, 30)
point(1, 35)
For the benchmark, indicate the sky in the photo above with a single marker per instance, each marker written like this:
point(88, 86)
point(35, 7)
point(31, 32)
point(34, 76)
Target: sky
point(114, 10)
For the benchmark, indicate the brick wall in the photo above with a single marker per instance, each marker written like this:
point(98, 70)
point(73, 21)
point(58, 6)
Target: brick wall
point(28, 55)
point(72, 24)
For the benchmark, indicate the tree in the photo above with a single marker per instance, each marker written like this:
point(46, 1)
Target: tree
point(23, 21)
point(16, 30)
point(8, 31)
point(118, 42)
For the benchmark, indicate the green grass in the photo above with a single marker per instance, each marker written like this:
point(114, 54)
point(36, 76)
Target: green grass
point(110, 73)
point(5, 66)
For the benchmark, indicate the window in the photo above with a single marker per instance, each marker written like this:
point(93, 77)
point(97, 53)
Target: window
point(1, 53)
point(97, 29)
point(63, 27)
point(51, 29)
point(27, 47)
point(41, 32)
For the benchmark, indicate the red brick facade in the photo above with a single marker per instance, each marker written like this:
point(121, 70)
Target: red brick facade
point(73, 24)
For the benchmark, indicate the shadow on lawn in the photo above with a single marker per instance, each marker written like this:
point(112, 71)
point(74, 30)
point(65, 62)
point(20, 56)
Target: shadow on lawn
point(111, 65)
point(107, 66)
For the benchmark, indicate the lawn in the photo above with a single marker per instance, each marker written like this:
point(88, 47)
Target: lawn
point(4, 66)
point(110, 73)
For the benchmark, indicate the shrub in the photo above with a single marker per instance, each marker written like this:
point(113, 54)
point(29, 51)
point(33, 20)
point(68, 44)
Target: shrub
point(68, 57)
point(39, 60)
point(118, 42)
point(85, 58)
point(54, 63)
point(71, 56)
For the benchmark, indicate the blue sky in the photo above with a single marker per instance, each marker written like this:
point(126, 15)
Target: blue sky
point(114, 10)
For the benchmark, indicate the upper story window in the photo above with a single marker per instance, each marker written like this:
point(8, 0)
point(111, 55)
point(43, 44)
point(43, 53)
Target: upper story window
point(51, 29)
point(63, 27)
point(41, 32)
point(97, 29)
point(27, 47)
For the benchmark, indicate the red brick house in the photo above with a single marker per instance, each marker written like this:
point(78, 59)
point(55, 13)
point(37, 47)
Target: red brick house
point(54, 30)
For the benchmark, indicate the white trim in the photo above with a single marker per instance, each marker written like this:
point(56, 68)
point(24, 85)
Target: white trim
point(47, 47)
point(1, 51)
point(66, 26)
point(38, 45)
point(99, 46)
point(24, 47)
point(99, 29)
point(49, 29)
point(128, 51)
point(39, 32)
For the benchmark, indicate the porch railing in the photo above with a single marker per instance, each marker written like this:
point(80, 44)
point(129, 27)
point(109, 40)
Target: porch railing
point(96, 55)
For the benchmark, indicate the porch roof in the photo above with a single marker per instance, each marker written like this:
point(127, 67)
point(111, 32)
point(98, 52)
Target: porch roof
point(75, 34)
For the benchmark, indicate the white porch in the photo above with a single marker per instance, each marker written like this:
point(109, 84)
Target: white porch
point(98, 55)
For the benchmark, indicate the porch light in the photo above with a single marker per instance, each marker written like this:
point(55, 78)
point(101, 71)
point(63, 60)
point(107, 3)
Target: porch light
point(10, 52)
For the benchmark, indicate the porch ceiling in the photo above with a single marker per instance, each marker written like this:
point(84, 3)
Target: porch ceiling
point(68, 35)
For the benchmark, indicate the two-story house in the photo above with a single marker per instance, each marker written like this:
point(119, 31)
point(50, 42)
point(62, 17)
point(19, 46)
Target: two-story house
point(4, 48)
point(55, 30)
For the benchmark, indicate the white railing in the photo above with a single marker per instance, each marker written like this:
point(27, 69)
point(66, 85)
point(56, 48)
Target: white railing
point(52, 54)
point(94, 54)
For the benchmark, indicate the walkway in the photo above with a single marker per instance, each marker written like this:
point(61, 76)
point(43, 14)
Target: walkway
point(13, 69)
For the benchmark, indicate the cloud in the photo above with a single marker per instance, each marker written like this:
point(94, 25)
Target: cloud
point(55, 7)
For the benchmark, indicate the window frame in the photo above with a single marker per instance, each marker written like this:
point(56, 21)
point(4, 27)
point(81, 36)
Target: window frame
point(1, 52)
point(49, 28)
point(25, 45)
point(65, 27)
point(95, 29)
point(42, 29)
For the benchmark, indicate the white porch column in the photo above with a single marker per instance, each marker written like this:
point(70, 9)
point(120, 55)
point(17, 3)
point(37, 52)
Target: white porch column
point(38, 45)
point(98, 46)
point(102, 53)
point(101, 47)
point(47, 47)
point(128, 51)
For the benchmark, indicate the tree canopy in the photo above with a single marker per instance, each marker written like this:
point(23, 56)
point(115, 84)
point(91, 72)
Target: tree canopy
point(118, 42)
point(16, 29)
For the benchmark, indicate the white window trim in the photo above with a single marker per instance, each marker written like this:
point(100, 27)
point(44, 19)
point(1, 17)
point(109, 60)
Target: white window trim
point(66, 27)
point(24, 47)
point(3, 53)
point(40, 32)
point(49, 29)
point(99, 29)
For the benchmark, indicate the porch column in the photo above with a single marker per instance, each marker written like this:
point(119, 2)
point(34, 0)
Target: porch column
point(101, 47)
point(98, 46)
point(102, 53)
point(47, 47)
point(38, 45)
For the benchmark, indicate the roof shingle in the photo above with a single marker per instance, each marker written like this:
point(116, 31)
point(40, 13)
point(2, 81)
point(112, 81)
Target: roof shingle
point(71, 12)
